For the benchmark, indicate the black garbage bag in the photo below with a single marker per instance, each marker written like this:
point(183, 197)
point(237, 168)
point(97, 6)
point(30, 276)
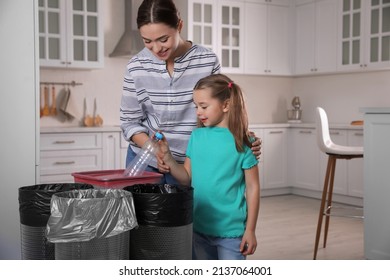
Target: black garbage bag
point(34, 211)
point(91, 224)
point(164, 214)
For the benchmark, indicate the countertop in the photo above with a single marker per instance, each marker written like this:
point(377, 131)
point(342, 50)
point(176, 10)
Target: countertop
point(331, 126)
point(83, 129)
point(306, 125)
point(79, 129)
point(375, 110)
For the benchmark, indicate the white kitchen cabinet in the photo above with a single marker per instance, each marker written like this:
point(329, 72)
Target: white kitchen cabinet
point(249, 37)
point(340, 185)
point(202, 20)
point(349, 173)
point(316, 37)
point(364, 34)
point(301, 2)
point(229, 36)
point(304, 161)
point(275, 158)
point(64, 153)
point(111, 150)
point(71, 34)
point(123, 150)
point(307, 164)
point(218, 24)
point(355, 166)
point(276, 2)
point(57, 166)
point(267, 38)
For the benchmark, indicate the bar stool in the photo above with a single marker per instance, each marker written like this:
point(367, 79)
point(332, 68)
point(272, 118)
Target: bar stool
point(334, 152)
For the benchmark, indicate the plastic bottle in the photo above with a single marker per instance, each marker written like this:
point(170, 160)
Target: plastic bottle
point(138, 165)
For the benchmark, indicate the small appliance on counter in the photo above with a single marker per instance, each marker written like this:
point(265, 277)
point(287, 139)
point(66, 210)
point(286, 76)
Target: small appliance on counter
point(294, 115)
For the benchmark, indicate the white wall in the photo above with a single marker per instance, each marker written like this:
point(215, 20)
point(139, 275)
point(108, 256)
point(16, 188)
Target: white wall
point(267, 98)
point(342, 95)
point(18, 122)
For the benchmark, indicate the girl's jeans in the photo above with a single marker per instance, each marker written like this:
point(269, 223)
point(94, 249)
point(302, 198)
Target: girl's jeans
point(206, 247)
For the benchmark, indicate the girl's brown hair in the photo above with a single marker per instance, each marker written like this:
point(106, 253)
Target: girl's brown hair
point(158, 11)
point(224, 89)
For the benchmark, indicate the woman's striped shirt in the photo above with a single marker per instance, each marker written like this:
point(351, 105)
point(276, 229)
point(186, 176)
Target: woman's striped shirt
point(153, 100)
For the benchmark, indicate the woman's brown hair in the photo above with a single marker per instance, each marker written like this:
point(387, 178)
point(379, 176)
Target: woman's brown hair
point(224, 89)
point(158, 11)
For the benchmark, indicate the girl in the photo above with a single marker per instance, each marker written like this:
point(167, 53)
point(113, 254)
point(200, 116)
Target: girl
point(158, 82)
point(222, 169)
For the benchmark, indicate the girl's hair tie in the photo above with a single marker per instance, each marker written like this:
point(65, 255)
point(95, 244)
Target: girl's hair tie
point(230, 84)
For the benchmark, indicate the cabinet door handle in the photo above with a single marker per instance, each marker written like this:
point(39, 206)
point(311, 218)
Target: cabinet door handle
point(334, 133)
point(64, 162)
point(275, 132)
point(64, 142)
point(359, 133)
point(305, 131)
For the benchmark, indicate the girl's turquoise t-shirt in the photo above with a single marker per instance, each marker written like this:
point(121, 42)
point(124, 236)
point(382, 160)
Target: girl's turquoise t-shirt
point(218, 179)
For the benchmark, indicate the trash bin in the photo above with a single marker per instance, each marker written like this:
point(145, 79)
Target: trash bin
point(91, 224)
point(34, 211)
point(164, 215)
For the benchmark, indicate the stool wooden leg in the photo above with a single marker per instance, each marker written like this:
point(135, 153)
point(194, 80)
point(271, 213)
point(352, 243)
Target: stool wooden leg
point(329, 202)
point(322, 207)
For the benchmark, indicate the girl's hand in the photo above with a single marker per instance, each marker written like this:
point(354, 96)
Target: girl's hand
point(248, 243)
point(167, 164)
point(256, 145)
point(163, 155)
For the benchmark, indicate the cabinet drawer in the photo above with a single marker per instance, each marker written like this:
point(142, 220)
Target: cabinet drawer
point(58, 178)
point(70, 141)
point(62, 162)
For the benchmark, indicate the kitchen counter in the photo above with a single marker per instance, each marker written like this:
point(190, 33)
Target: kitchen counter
point(375, 110)
point(306, 125)
point(81, 129)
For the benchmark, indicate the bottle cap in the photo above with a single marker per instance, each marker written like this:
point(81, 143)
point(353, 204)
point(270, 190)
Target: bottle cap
point(158, 136)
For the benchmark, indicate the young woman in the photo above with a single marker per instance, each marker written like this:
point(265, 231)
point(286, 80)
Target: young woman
point(221, 167)
point(158, 82)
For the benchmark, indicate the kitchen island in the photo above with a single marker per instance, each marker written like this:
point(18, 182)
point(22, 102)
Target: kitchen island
point(376, 183)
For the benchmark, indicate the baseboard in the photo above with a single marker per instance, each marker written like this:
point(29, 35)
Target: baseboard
point(350, 200)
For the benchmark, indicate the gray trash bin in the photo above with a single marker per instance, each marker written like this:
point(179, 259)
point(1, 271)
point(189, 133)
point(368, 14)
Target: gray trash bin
point(91, 224)
point(34, 211)
point(164, 215)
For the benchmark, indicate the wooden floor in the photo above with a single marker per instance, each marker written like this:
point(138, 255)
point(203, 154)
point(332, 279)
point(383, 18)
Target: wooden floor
point(286, 231)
